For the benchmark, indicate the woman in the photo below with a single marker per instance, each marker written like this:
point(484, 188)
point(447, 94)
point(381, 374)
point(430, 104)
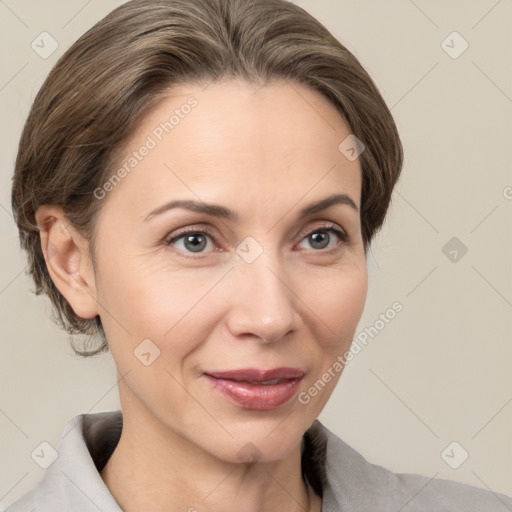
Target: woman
point(177, 170)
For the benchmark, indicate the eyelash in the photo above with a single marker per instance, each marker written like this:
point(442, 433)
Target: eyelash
point(342, 235)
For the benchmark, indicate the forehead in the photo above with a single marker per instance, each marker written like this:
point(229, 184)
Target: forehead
point(232, 139)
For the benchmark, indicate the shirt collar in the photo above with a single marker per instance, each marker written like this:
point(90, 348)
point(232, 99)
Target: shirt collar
point(73, 481)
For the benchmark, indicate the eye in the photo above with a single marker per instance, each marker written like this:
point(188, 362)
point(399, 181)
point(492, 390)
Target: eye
point(320, 237)
point(194, 241)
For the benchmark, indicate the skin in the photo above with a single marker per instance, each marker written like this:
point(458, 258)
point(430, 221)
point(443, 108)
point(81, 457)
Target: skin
point(265, 152)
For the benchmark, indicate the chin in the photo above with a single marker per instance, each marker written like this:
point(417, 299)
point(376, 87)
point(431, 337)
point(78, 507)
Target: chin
point(264, 441)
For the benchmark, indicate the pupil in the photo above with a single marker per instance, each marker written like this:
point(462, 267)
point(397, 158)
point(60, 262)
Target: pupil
point(321, 237)
point(195, 246)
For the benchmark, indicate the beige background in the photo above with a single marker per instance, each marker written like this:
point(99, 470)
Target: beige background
point(440, 370)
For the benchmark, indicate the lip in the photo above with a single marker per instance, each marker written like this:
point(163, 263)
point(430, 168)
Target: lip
point(258, 375)
point(246, 387)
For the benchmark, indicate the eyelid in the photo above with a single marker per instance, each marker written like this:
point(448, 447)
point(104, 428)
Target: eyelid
point(332, 227)
point(169, 238)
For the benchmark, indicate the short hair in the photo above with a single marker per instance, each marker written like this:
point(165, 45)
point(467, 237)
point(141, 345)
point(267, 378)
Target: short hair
point(99, 90)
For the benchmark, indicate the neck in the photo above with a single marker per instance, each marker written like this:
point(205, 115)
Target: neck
point(165, 472)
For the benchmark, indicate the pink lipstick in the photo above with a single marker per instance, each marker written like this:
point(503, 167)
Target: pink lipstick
point(256, 389)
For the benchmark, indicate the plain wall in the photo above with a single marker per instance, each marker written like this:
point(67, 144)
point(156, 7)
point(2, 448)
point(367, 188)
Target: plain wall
point(440, 370)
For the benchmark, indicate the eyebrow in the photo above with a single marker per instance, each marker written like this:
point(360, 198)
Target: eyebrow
point(222, 212)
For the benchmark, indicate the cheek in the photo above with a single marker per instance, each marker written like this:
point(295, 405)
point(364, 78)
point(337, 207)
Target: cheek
point(338, 305)
point(337, 301)
point(177, 308)
point(165, 306)
point(349, 301)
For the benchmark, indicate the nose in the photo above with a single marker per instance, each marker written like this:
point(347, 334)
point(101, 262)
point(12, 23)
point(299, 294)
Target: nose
point(263, 303)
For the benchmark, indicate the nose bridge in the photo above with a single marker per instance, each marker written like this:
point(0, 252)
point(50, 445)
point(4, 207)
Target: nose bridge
point(263, 303)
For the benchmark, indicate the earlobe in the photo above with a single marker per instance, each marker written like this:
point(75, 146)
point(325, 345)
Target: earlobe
point(67, 260)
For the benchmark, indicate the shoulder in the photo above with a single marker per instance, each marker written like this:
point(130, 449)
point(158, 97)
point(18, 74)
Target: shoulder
point(352, 483)
point(72, 481)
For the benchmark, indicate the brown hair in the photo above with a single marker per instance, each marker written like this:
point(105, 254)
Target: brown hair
point(104, 84)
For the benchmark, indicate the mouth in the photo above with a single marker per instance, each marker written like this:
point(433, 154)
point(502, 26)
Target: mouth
point(254, 388)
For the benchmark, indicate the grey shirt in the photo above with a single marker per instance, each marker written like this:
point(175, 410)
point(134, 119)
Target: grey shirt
point(346, 481)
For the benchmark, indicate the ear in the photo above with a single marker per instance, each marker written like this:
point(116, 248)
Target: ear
point(67, 260)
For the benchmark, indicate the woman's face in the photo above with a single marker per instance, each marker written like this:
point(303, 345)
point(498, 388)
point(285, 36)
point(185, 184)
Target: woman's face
point(264, 288)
